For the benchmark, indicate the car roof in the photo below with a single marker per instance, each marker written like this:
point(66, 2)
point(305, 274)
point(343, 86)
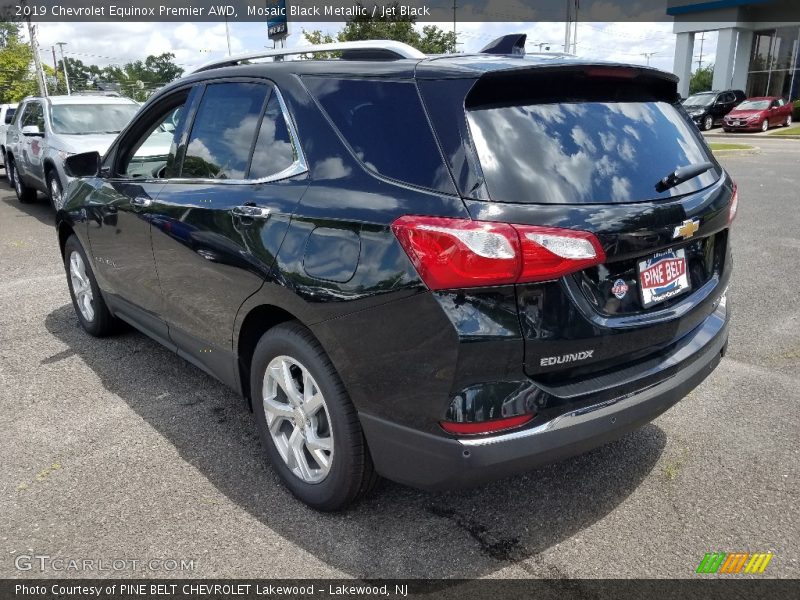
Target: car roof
point(430, 67)
point(764, 98)
point(81, 99)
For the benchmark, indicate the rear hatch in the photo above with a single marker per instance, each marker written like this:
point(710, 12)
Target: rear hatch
point(591, 148)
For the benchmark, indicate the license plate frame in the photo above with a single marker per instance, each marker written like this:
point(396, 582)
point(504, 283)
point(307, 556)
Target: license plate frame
point(663, 276)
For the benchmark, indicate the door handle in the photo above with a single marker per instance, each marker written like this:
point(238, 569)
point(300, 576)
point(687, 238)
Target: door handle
point(140, 202)
point(252, 212)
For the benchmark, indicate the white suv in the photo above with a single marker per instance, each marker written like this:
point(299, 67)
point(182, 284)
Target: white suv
point(6, 116)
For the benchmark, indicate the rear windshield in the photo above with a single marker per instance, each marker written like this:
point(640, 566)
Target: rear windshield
point(584, 152)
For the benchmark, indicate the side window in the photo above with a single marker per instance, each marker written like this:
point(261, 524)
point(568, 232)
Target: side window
point(154, 146)
point(10, 115)
point(224, 130)
point(385, 125)
point(273, 151)
point(33, 116)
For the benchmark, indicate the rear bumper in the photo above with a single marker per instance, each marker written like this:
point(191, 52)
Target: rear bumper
point(434, 462)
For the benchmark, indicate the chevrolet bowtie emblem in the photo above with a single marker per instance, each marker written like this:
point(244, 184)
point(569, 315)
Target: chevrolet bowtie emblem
point(686, 229)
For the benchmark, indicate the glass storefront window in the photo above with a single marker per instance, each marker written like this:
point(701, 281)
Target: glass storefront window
point(775, 63)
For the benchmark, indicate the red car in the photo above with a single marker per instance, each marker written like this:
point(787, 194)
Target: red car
point(758, 114)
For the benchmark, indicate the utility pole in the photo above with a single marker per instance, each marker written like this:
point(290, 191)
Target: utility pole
point(568, 28)
point(37, 59)
point(64, 63)
point(228, 35)
point(455, 6)
point(575, 32)
point(700, 59)
point(647, 56)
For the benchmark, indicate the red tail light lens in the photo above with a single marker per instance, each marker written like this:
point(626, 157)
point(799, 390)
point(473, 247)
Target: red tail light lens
point(458, 253)
point(734, 206)
point(480, 427)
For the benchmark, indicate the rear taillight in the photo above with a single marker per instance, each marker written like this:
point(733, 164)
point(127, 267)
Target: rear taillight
point(483, 427)
point(458, 253)
point(734, 205)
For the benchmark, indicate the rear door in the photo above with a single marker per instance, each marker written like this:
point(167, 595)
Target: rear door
point(218, 225)
point(586, 150)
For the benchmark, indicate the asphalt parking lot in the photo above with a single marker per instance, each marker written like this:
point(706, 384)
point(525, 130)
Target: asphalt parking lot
point(118, 449)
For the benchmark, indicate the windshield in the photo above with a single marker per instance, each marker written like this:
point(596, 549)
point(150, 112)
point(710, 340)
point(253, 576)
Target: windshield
point(753, 105)
point(699, 100)
point(585, 152)
point(82, 119)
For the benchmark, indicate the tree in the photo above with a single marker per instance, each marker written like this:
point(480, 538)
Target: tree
point(701, 80)
point(432, 40)
point(81, 76)
point(17, 79)
point(138, 79)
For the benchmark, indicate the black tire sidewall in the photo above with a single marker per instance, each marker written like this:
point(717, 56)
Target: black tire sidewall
point(53, 176)
point(101, 325)
point(343, 481)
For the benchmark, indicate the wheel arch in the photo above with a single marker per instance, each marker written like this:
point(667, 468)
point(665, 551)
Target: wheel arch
point(258, 320)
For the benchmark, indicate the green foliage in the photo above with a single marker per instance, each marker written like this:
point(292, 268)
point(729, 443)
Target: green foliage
point(16, 59)
point(701, 80)
point(796, 115)
point(432, 40)
point(138, 79)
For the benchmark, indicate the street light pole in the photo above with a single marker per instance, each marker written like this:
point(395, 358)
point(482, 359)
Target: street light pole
point(64, 64)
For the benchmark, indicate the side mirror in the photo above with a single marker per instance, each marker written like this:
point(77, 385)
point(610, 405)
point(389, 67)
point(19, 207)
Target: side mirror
point(32, 130)
point(86, 164)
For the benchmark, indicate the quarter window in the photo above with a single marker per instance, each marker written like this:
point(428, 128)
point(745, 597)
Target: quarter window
point(223, 132)
point(385, 125)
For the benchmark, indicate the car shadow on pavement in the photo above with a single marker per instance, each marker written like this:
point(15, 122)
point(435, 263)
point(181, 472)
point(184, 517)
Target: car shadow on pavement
point(41, 209)
point(397, 531)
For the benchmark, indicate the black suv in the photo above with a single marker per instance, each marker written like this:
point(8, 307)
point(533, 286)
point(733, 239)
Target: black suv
point(442, 270)
point(709, 108)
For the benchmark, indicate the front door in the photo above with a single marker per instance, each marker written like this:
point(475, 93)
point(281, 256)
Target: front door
point(218, 227)
point(122, 211)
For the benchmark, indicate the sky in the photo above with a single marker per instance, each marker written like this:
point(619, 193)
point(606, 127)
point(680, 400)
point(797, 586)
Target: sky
point(196, 43)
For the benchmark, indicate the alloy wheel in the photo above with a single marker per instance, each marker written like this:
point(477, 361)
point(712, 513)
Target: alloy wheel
point(765, 125)
point(298, 419)
point(788, 120)
point(17, 182)
point(55, 193)
point(81, 286)
point(708, 123)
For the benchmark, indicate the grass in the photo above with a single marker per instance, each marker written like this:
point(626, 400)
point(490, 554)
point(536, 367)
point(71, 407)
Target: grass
point(717, 146)
point(794, 130)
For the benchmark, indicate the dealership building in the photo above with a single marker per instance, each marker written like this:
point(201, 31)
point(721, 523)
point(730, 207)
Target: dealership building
point(758, 45)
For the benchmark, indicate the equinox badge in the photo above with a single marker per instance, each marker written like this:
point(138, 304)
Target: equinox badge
point(566, 358)
point(686, 229)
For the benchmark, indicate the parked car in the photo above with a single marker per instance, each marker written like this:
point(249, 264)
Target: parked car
point(759, 114)
point(6, 116)
point(47, 130)
point(709, 108)
point(442, 271)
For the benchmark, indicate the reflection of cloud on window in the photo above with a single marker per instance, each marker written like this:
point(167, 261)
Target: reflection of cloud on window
point(626, 151)
point(609, 141)
point(581, 138)
point(631, 131)
point(620, 188)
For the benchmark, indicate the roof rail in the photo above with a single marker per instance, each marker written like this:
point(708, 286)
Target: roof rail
point(371, 49)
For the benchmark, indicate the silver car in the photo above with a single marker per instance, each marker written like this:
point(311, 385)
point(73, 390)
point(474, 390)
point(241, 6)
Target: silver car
point(6, 117)
point(47, 130)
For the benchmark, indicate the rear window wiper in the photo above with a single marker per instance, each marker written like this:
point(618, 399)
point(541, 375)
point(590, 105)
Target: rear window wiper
point(681, 174)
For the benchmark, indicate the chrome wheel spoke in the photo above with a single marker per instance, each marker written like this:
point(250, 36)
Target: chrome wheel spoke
point(307, 446)
point(81, 286)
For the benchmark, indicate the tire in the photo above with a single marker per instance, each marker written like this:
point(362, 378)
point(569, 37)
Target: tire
point(54, 189)
point(708, 122)
point(788, 121)
point(25, 194)
point(349, 473)
point(9, 172)
point(726, 130)
point(765, 125)
point(95, 319)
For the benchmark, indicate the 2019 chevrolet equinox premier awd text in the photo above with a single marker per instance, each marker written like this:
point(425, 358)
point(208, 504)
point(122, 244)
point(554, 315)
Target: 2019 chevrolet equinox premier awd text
point(442, 270)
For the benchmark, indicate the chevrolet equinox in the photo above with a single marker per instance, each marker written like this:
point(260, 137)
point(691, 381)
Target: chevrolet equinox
point(441, 270)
